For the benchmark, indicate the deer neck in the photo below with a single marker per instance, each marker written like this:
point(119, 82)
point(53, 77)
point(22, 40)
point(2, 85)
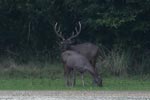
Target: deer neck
point(92, 72)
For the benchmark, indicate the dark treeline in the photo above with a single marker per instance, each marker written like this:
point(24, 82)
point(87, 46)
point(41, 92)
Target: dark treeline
point(26, 26)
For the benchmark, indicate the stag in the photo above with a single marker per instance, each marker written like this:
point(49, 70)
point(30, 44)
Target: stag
point(73, 62)
point(89, 50)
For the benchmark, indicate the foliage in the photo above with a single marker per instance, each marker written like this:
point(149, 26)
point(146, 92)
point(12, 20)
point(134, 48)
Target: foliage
point(26, 27)
point(118, 62)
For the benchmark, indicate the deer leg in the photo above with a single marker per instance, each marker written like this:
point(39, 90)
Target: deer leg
point(93, 63)
point(82, 78)
point(66, 75)
point(71, 72)
point(66, 78)
point(70, 77)
point(74, 78)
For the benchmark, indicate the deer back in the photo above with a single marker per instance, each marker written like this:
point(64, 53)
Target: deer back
point(89, 50)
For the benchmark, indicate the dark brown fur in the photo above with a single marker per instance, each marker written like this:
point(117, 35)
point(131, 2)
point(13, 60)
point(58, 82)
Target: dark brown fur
point(73, 62)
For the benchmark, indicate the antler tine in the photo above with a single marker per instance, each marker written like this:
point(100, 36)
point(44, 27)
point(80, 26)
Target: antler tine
point(77, 31)
point(57, 31)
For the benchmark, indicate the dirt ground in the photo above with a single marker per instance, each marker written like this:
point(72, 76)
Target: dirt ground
point(74, 95)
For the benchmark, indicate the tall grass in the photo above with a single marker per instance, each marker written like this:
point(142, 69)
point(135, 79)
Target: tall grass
point(116, 61)
point(119, 61)
point(122, 62)
point(11, 69)
point(142, 64)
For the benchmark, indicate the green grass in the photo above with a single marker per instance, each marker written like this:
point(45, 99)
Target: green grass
point(46, 76)
point(58, 84)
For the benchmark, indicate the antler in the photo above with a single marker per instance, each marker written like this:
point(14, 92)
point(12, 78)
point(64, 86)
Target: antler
point(76, 31)
point(57, 31)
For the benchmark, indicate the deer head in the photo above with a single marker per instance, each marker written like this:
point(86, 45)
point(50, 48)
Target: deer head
point(65, 43)
point(97, 80)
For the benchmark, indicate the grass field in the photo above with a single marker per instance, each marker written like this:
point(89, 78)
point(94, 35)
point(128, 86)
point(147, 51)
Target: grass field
point(50, 77)
point(58, 84)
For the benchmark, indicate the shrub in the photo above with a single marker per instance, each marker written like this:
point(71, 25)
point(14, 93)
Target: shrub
point(116, 62)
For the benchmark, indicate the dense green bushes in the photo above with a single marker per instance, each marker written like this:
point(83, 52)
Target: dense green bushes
point(26, 29)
